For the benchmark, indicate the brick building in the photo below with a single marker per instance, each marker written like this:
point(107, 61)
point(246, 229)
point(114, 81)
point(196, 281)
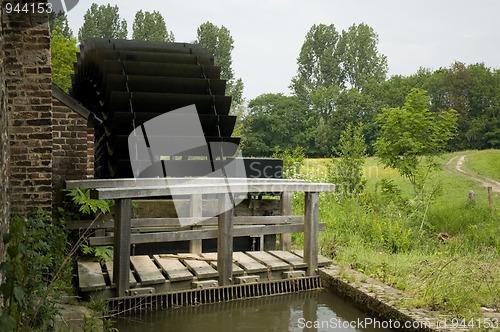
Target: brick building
point(46, 136)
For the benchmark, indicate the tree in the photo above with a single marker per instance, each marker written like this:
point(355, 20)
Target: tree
point(412, 132)
point(60, 20)
point(347, 173)
point(361, 61)
point(329, 59)
point(102, 22)
point(484, 95)
point(218, 41)
point(63, 53)
point(319, 62)
point(274, 120)
point(151, 27)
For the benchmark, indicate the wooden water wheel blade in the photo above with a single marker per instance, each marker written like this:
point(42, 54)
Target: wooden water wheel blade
point(165, 102)
point(160, 84)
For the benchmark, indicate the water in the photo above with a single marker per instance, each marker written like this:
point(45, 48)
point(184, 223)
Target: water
point(305, 311)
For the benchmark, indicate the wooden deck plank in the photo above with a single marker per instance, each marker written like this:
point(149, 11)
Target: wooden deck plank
point(213, 255)
point(248, 263)
point(322, 261)
point(201, 269)
point(174, 269)
point(269, 260)
point(295, 261)
point(146, 270)
point(90, 277)
point(132, 281)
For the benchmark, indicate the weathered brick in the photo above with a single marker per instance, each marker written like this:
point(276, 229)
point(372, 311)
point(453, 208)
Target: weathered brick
point(39, 122)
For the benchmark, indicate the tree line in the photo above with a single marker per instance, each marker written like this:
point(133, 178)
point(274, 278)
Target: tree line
point(341, 80)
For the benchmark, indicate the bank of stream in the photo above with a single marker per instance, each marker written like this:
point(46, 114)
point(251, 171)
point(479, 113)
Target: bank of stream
point(305, 311)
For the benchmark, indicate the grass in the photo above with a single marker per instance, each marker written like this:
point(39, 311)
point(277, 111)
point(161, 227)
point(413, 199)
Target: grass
point(486, 163)
point(446, 257)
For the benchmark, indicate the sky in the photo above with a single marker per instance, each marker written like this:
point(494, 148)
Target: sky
point(268, 34)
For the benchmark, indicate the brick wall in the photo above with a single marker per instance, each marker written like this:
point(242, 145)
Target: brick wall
point(26, 53)
point(73, 147)
point(4, 147)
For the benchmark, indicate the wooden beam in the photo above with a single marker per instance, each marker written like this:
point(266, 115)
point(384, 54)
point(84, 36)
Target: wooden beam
point(203, 234)
point(311, 228)
point(286, 210)
point(121, 253)
point(172, 222)
point(239, 186)
point(196, 210)
point(225, 241)
point(131, 182)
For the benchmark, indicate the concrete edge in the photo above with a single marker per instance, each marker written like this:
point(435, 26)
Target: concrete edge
point(380, 300)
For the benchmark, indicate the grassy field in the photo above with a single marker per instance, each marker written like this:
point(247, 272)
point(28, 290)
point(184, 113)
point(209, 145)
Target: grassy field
point(485, 163)
point(442, 251)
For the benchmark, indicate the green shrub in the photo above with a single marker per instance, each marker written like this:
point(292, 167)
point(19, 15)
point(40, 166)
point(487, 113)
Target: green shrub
point(29, 291)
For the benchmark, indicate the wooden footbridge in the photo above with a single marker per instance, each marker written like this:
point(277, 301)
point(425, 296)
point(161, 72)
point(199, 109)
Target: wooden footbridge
point(158, 279)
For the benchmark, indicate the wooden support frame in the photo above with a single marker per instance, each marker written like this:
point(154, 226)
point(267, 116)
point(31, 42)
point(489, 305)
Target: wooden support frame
point(121, 253)
point(196, 210)
point(311, 232)
point(286, 210)
point(123, 191)
point(225, 241)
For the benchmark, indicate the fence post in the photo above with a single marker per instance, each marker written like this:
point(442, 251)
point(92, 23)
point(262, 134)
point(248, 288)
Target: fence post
point(121, 253)
point(311, 232)
point(225, 240)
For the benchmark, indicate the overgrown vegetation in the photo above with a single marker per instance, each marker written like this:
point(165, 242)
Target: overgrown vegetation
point(346, 172)
point(442, 252)
point(34, 278)
point(38, 266)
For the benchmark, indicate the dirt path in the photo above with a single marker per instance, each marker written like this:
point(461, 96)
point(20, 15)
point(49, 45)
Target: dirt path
point(484, 182)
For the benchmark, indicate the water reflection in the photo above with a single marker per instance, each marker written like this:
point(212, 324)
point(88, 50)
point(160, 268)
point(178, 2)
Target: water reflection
point(305, 311)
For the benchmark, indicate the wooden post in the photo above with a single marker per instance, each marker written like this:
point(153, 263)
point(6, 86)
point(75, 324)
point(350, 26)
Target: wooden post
point(196, 210)
point(311, 225)
point(286, 210)
point(121, 253)
point(225, 241)
point(490, 196)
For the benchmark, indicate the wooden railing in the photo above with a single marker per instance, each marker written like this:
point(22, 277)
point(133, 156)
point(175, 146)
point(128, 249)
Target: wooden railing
point(123, 191)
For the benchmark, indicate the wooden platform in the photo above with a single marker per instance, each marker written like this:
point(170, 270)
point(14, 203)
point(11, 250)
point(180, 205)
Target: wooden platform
point(164, 273)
